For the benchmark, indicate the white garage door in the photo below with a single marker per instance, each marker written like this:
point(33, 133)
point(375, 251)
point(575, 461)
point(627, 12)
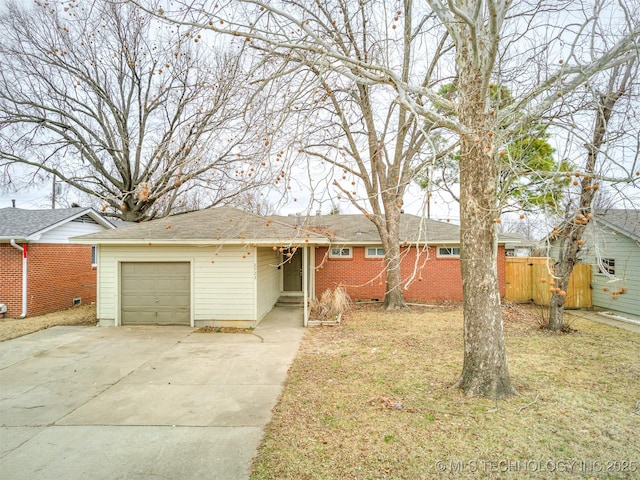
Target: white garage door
point(155, 293)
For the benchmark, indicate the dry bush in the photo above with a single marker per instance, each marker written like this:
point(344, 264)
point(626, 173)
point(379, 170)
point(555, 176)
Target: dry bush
point(331, 304)
point(543, 320)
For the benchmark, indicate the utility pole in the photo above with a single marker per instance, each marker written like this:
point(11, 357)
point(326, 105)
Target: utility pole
point(53, 193)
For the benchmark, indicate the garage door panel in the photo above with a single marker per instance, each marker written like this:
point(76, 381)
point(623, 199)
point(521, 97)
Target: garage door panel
point(163, 299)
point(169, 302)
point(153, 316)
point(129, 284)
point(155, 293)
point(148, 284)
point(138, 317)
point(167, 284)
point(181, 302)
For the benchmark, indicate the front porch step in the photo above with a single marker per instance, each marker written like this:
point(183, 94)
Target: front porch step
point(288, 301)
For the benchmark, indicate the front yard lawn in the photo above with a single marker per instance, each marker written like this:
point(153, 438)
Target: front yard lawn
point(375, 398)
point(17, 327)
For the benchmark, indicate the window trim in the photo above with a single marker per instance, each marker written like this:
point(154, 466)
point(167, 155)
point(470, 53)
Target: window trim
point(340, 255)
point(451, 249)
point(376, 255)
point(607, 266)
point(94, 255)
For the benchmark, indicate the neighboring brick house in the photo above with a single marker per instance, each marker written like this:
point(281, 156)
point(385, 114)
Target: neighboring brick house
point(430, 252)
point(41, 271)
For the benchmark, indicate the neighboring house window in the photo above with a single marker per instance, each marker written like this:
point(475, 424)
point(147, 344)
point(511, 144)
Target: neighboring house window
point(374, 252)
point(340, 252)
point(94, 255)
point(608, 265)
point(448, 251)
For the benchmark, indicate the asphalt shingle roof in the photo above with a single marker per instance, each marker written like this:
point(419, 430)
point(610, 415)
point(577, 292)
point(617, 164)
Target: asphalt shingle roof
point(231, 225)
point(20, 223)
point(359, 229)
point(627, 221)
point(212, 224)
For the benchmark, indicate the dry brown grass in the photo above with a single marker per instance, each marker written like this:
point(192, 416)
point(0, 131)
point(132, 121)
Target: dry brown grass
point(17, 327)
point(210, 329)
point(375, 398)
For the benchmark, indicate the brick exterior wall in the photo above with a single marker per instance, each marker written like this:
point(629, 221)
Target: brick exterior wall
point(432, 278)
point(57, 273)
point(11, 279)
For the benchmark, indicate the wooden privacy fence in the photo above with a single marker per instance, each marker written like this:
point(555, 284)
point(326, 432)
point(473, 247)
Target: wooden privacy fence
point(529, 280)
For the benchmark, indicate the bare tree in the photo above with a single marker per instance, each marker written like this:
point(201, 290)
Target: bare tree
point(480, 30)
point(568, 235)
point(254, 202)
point(141, 118)
point(526, 226)
point(492, 42)
point(371, 145)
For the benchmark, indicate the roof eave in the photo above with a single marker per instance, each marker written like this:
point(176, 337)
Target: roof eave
point(178, 241)
point(100, 219)
point(355, 243)
point(7, 239)
point(87, 211)
point(618, 229)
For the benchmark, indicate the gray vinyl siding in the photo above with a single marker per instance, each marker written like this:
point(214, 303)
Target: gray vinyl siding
point(602, 242)
point(62, 233)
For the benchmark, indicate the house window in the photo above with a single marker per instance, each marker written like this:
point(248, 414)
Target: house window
point(608, 266)
point(448, 251)
point(340, 252)
point(94, 255)
point(374, 252)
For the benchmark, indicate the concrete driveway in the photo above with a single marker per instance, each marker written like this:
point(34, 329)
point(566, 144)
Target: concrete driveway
point(140, 402)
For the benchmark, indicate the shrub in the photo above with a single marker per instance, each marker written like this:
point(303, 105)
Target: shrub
point(331, 304)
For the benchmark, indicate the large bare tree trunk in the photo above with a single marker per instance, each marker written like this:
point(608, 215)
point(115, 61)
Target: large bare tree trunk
point(390, 235)
point(485, 371)
point(385, 177)
point(562, 272)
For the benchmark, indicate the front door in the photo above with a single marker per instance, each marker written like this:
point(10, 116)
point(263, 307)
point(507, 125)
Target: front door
point(292, 272)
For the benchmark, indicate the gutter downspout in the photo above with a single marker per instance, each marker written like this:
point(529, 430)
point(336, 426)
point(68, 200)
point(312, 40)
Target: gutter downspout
point(23, 249)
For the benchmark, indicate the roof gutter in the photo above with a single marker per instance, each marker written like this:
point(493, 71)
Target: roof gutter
point(202, 242)
point(23, 249)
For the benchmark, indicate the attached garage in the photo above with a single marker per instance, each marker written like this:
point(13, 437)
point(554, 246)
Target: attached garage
point(217, 267)
point(155, 293)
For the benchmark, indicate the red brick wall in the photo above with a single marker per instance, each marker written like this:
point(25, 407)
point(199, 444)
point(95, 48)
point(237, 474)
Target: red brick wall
point(429, 277)
point(11, 279)
point(57, 274)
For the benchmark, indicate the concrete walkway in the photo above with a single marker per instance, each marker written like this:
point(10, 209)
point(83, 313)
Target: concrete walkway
point(141, 402)
point(594, 316)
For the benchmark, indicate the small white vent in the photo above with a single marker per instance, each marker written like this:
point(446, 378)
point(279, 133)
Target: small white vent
point(85, 219)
